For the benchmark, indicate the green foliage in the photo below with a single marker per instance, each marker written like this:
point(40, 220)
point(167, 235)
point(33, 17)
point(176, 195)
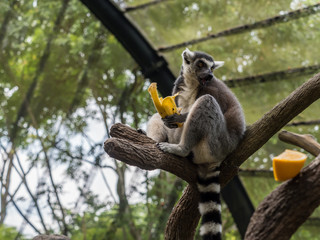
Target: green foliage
point(106, 224)
point(9, 233)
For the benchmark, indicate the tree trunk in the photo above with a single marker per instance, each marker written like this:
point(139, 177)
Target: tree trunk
point(178, 222)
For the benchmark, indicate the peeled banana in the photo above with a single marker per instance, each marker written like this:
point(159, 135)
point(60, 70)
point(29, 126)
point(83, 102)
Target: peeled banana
point(166, 106)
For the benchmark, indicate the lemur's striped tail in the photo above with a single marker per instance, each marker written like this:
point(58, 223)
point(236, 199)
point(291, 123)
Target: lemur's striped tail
point(210, 205)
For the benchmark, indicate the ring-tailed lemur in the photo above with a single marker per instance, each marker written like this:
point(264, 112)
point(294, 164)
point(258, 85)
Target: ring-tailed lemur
point(213, 126)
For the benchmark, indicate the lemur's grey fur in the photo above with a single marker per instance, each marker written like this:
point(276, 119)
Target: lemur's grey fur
point(213, 126)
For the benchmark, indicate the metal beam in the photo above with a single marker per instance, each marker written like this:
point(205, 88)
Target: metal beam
point(235, 196)
point(156, 68)
point(153, 66)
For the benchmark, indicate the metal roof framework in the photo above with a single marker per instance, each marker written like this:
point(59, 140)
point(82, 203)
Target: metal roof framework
point(155, 68)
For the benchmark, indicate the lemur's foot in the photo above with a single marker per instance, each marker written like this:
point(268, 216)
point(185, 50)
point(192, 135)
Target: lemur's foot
point(141, 131)
point(172, 148)
point(165, 147)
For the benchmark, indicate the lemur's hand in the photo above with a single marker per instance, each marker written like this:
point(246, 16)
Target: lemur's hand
point(172, 120)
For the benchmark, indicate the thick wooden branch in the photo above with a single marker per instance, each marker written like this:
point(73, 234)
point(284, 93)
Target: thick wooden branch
point(136, 149)
point(305, 141)
point(281, 213)
point(51, 237)
point(304, 123)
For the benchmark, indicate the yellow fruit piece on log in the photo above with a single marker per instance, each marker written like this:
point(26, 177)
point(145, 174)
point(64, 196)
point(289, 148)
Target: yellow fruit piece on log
point(288, 164)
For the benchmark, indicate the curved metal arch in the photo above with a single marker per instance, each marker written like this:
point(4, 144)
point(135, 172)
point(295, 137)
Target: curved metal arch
point(155, 68)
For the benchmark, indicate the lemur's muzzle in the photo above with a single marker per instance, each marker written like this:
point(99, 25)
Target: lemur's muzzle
point(205, 77)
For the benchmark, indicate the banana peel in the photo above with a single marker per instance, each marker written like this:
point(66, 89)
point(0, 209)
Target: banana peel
point(166, 106)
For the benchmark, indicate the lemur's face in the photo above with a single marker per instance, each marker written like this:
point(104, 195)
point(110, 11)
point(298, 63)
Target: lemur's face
point(199, 66)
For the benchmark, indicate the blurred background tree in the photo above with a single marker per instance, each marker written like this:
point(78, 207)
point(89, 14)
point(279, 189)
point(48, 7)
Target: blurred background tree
point(65, 80)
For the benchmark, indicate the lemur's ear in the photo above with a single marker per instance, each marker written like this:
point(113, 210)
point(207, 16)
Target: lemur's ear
point(218, 64)
point(187, 55)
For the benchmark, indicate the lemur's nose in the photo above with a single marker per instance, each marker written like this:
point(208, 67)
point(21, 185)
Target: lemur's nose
point(204, 78)
point(208, 77)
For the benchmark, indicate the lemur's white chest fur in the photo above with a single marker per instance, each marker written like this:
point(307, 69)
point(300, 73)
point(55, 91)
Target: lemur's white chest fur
point(186, 99)
point(188, 95)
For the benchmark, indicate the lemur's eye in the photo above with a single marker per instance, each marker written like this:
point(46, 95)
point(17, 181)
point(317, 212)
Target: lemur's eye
point(200, 64)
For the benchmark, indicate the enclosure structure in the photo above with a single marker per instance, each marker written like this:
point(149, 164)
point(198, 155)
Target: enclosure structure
point(268, 55)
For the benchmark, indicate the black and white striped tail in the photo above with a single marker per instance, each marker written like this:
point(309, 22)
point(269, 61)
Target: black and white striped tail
point(210, 205)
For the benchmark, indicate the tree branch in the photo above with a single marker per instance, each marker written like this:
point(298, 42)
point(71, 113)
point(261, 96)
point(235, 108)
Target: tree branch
point(22, 215)
point(304, 123)
point(305, 141)
point(34, 199)
point(277, 216)
point(5, 23)
point(51, 237)
point(49, 167)
point(133, 148)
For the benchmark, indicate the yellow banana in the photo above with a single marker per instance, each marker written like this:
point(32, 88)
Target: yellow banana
point(166, 106)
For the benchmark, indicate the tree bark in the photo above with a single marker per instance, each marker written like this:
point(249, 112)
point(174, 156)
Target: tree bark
point(304, 123)
point(305, 141)
point(133, 148)
point(178, 223)
point(51, 237)
point(281, 213)
point(136, 149)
